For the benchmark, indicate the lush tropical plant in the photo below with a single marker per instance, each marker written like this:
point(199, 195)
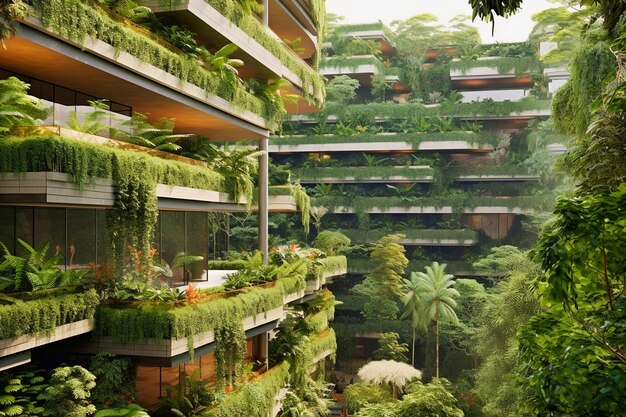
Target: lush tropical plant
point(115, 378)
point(390, 348)
point(19, 111)
point(358, 396)
point(10, 11)
point(18, 394)
point(437, 299)
point(33, 272)
point(384, 282)
point(330, 242)
point(69, 393)
point(94, 121)
point(138, 131)
point(429, 400)
point(317, 213)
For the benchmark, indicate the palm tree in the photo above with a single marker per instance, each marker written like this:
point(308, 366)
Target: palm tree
point(412, 307)
point(436, 296)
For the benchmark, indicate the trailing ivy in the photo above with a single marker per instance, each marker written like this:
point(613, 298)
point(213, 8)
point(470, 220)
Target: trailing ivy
point(504, 64)
point(363, 173)
point(300, 197)
point(414, 139)
point(255, 399)
point(366, 114)
point(157, 321)
point(78, 21)
point(312, 82)
point(435, 235)
point(134, 174)
point(458, 201)
point(43, 315)
point(330, 264)
point(352, 62)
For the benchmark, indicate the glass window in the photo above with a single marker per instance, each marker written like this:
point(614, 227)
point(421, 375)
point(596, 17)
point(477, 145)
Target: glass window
point(173, 239)
point(101, 238)
point(197, 244)
point(49, 227)
point(7, 227)
point(81, 236)
point(23, 228)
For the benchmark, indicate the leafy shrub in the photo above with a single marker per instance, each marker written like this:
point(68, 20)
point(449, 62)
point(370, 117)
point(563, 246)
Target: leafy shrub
point(331, 242)
point(358, 395)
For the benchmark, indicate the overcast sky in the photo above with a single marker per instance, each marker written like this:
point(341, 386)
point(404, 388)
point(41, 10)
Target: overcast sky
point(516, 28)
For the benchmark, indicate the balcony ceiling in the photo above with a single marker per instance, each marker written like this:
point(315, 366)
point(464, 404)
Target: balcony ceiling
point(289, 20)
point(41, 56)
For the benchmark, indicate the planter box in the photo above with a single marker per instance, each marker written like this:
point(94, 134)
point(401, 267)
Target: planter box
point(54, 188)
point(27, 342)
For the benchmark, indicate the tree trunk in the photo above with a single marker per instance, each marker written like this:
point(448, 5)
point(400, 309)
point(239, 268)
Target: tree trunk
point(437, 344)
point(413, 349)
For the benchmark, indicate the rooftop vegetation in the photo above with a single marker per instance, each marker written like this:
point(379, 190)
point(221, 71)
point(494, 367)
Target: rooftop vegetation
point(412, 138)
point(360, 27)
point(79, 22)
point(312, 82)
point(458, 201)
point(363, 173)
point(366, 114)
point(503, 64)
point(41, 315)
point(364, 236)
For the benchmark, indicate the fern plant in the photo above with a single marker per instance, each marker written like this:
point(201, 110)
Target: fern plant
point(92, 122)
point(19, 111)
point(33, 272)
point(159, 136)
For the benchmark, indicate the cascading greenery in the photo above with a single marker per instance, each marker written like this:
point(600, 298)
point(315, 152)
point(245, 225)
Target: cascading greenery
point(330, 264)
point(134, 174)
point(360, 236)
point(43, 315)
point(255, 399)
point(503, 64)
point(361, 173)
point(154, 321)
point(457, 201)
point(313, 84)
point(80, 22)
point(414, 139)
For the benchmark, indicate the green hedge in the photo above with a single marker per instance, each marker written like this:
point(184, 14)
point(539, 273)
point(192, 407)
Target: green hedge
point(412, 138)
point(456, 201)
point(367, 114)
point(323, 342)
point(362, 265)
point(156, 321)
point(504, 64)
point(227, 265)
point(313, 83)
point(362, 173)
point(85, 162)
point(78, 21)
point(360, 27)
point(254, 399)
point(331, 264)
point(366, 236)
point(43, 315)
point(352, 62)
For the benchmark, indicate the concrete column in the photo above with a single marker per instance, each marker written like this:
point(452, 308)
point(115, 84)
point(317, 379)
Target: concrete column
point(263, 197)
point(266, 12)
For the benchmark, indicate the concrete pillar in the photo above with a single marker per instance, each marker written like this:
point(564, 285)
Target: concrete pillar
point(266, 12)
point(263, 197)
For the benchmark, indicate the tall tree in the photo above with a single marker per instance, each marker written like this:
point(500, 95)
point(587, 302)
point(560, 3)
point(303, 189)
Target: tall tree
point(437, 298)
point(383, 284)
